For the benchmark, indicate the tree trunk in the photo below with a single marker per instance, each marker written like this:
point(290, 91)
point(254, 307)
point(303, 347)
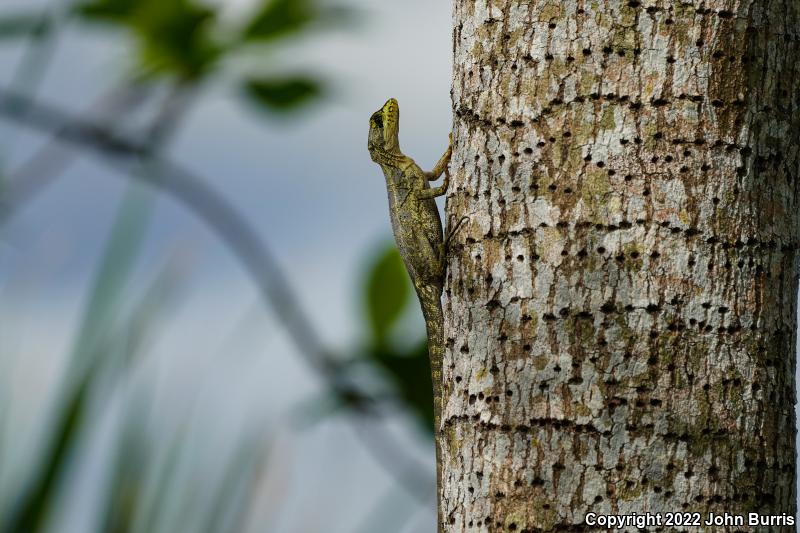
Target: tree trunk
point(621, 302)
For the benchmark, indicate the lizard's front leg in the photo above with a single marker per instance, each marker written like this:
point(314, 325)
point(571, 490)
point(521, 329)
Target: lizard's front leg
point(434, 192)
point(441, 165)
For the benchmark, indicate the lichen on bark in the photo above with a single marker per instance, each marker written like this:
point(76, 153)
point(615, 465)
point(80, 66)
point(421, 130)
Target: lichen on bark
point(620, 306)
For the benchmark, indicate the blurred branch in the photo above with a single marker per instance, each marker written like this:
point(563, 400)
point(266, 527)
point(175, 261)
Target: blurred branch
point(44, 28)
point(198, 197)
point(222, 218)
point(50, 161)
point(38, 53)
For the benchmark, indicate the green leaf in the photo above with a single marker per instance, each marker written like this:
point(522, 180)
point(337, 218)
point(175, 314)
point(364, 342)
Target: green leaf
point(180, 44)
point(279, 18)
point(106, 9)
point(410, 372)
point(32, 508)
point(387, 293)
point(173, 36)
point(21, 26)
point(281, 95)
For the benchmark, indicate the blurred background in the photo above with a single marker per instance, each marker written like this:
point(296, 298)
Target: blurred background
point(204, 325)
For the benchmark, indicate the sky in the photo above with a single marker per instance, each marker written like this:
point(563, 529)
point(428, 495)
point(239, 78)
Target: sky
point(221, 361)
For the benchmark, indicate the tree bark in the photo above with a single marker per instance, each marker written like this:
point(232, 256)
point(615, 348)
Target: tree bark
point(620, 304)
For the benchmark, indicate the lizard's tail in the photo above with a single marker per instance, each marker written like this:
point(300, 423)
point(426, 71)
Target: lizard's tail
point(434, 324)
point(430, 299)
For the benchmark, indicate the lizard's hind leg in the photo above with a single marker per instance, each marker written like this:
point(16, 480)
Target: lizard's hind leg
point(444, 246)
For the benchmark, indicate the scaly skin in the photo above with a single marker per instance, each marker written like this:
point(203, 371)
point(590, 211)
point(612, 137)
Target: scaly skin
point(418, 232)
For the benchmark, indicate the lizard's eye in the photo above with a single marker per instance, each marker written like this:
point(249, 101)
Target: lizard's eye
point(377, 120)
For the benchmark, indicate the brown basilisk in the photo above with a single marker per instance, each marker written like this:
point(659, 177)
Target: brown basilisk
point(418, 232)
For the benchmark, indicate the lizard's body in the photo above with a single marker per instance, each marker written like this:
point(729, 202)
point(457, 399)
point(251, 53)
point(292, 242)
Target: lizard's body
point(418, 232)
point(417, 229)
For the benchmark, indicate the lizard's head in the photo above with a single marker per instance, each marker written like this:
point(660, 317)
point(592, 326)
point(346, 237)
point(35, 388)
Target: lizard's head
point(384, 126)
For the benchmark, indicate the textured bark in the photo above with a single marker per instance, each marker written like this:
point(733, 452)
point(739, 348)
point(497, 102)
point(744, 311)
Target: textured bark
point(620, 306)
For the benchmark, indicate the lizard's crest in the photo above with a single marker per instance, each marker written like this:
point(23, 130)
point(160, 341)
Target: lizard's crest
point(384, 127)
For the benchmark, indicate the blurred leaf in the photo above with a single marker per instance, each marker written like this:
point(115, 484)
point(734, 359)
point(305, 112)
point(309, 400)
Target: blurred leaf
point(410, 373)
point(107, 9)
point(26, 25)
point(151, 311)
point(387, 293)
point(278, 18)
point(282, 95)
point(182, 48)
point(158, 497)
point(139, 325)
point(174, 36)
point(30, 512)
point(107, 296)
point(127, 477)
point(326, 404)
point(239, 481)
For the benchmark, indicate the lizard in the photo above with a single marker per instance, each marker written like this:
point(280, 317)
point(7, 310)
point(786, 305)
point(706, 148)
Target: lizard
point(418, 232)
